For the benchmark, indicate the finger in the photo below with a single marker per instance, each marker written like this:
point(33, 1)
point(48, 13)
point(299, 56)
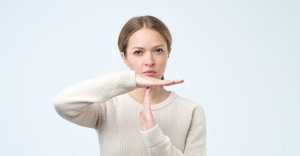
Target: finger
point(170, 82)
point(147, 99)
point(178, 81)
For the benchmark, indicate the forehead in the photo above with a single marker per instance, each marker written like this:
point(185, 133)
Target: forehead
point(146, 38)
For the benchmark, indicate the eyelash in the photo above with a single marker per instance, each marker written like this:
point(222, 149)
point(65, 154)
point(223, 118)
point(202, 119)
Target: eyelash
point(137, 52)
point(161, 50)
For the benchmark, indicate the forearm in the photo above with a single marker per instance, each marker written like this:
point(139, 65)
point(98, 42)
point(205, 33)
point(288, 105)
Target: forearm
point(72, 100)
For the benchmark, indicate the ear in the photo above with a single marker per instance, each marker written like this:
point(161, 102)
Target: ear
point(124, 58)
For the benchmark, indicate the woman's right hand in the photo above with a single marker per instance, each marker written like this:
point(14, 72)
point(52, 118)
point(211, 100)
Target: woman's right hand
point(143, 81)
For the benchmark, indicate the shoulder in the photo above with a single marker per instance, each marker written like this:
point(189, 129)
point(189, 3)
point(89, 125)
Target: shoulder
point(188, 104)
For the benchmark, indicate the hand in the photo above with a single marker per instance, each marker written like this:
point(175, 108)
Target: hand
point(143, 81)
point(147, 120)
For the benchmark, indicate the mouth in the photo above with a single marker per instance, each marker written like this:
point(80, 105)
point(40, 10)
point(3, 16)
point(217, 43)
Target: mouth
point(149, 72)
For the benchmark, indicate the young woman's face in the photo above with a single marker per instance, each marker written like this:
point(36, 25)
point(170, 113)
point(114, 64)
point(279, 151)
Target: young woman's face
point(147, 53)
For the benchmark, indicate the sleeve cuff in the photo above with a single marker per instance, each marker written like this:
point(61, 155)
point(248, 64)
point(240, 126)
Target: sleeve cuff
point(153, 136)
point(128, 79)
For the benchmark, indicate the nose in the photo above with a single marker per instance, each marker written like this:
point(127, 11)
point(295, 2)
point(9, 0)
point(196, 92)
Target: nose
point(149, 61)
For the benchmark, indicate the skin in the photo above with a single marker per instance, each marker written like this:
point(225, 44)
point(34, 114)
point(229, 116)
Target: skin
point(147, 50)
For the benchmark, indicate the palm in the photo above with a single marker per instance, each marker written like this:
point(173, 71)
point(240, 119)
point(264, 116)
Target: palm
point(143, 81)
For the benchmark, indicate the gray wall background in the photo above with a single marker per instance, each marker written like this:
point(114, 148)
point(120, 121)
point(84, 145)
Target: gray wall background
point(240, 60)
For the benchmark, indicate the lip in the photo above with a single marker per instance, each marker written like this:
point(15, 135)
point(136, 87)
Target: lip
point(149, 72)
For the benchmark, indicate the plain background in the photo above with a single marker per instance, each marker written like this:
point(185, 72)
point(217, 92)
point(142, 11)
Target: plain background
point(240, 61)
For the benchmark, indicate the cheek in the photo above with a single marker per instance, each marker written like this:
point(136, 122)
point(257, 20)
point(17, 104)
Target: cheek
point(163, 61)
point(135, 64)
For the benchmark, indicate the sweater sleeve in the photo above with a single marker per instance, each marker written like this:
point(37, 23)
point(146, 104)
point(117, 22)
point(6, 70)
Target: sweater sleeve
point(195, 145)
point(84, 102)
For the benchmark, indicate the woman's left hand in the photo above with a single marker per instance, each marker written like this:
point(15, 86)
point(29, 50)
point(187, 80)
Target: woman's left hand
point(147, 120)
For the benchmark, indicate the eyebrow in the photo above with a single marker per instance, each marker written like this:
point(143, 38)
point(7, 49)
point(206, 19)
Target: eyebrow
point(143, 48)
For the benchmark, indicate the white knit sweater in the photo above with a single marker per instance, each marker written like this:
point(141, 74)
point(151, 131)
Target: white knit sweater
point(103, 103)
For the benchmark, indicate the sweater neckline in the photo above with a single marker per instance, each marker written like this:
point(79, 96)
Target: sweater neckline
point(157, 106)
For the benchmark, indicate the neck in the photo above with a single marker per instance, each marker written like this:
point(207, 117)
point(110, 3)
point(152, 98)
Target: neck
point(157, 94)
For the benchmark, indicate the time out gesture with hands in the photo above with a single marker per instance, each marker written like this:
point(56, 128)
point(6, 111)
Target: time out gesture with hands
point(142, 81)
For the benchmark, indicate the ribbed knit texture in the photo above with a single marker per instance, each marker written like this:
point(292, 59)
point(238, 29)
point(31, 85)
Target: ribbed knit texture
point(103, 103)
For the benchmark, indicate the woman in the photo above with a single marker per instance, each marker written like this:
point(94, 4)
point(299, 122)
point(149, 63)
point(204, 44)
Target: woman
point(133, 113)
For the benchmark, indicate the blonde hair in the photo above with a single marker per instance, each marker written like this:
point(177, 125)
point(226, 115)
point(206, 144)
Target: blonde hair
point(136, 23)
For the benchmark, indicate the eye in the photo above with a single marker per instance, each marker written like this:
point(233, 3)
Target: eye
point(137, 52)
point(159, 50)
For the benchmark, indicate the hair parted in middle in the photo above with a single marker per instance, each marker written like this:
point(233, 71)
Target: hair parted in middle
point(136, 23)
